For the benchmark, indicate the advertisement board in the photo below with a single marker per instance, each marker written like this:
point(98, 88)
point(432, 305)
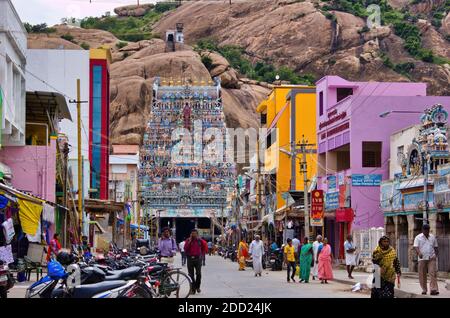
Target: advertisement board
point(317, 208)
point(366, 180)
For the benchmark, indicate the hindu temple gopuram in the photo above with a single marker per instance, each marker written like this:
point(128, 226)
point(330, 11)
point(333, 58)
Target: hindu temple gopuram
point(181, 189)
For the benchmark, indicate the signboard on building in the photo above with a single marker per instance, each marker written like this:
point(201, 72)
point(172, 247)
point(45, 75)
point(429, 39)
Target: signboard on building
point(341, 178)
point(344, 215)
point(317, 208)
point(342, 195)
point(331, 183)
point(331, 200)
point(186, 213)
point(366, 180)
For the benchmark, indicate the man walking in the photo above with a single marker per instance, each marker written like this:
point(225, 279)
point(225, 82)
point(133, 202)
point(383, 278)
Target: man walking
point(426, 247)
point(257, 252)
point(183, 254)
point(289, 259)
point(350, 255)
point(316, 245)
point(167, 246)
point(195, 248)
point(296, 244)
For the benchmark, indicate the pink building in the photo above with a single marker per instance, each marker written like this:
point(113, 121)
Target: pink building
point(33, 169)
point(353, 147)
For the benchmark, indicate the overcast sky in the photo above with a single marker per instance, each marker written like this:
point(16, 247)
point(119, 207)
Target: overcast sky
point(51, 11)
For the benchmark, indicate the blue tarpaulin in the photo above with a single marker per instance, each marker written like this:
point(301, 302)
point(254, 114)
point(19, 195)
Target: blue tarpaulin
point(133, 226)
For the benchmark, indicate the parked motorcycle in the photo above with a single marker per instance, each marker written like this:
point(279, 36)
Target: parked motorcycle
point(6, 280)
point(276, 260)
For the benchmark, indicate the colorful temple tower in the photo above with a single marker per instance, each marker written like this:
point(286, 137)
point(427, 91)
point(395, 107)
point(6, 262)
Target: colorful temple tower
point(181, 186)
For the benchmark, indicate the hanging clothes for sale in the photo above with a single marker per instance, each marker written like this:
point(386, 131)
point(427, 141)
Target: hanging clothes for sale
point(48, 213)
point(3, 201)
point(37, 238)
point(8, 230)
point(29, 215)
point(6, 254)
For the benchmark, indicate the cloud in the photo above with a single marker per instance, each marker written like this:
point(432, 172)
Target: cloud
point(51, 11)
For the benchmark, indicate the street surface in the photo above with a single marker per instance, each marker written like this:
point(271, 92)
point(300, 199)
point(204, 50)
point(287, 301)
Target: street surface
point(221, 279)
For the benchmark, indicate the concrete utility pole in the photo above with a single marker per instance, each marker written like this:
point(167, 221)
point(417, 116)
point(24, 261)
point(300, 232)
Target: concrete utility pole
point(302, 148)
point(304, 169)
point(80, 164)
point(426, 160)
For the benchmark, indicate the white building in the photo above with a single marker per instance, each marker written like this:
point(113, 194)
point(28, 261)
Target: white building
point(13, 60)
point(58, 71)
point(400, 141)
point(123, 175)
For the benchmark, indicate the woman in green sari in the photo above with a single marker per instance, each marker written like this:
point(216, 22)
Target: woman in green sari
point(306, 255)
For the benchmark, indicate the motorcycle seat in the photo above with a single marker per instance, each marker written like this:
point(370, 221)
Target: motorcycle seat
point(88, 291)
point(154, 269)
point(124, 274)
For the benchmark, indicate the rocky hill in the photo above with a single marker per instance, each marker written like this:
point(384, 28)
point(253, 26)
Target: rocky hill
point(302, 40)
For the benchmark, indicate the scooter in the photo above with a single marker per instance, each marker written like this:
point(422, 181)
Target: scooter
point(276, 260)
point(6, 280)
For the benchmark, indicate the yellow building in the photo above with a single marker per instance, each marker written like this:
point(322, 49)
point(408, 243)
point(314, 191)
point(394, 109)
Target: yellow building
point(288, 106)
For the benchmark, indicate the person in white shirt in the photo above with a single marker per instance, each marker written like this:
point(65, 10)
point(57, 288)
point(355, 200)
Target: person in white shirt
point(183, 255)
point(257, 252)
point(296, 244)
point(350, 255)
point(426, 247)
point(317, 243)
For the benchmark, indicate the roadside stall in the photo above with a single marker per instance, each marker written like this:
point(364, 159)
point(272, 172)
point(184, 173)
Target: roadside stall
point(28, 225)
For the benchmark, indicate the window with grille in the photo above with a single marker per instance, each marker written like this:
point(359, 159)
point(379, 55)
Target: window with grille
point(371, 154)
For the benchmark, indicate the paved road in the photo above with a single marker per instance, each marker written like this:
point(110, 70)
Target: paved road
point(221, 279)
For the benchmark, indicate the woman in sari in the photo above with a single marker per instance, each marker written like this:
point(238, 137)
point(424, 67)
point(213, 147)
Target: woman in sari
point(306, 255)
point(385, 257)
point(242, 254)
point(325, 258)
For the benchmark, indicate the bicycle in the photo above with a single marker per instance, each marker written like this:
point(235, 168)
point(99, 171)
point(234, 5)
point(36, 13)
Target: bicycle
point(170, 281)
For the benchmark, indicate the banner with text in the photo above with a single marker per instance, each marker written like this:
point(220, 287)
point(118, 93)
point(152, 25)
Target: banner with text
point(317, 208)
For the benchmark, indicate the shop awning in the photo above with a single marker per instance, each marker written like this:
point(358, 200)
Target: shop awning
point(30, 209)
point(102, 206)
point(133, 226)
point(39, 103)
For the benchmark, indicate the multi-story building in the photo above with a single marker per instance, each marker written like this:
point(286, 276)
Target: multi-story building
point(355, 121)
point(402, 198)
point(30, 115)
point(289, 114)
point(100, 59)
point(13, 51)
point(123, 175)
point(59, 71)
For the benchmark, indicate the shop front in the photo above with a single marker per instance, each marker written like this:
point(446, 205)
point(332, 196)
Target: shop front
point(28, 224)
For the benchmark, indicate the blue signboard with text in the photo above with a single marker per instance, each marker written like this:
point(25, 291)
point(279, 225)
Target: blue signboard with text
point(366, 180)
point(331, 200)
point(331, 183)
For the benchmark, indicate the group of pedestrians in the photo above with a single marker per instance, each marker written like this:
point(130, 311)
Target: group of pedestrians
point(193, 252)
point(317, 255)
point(385, 257)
